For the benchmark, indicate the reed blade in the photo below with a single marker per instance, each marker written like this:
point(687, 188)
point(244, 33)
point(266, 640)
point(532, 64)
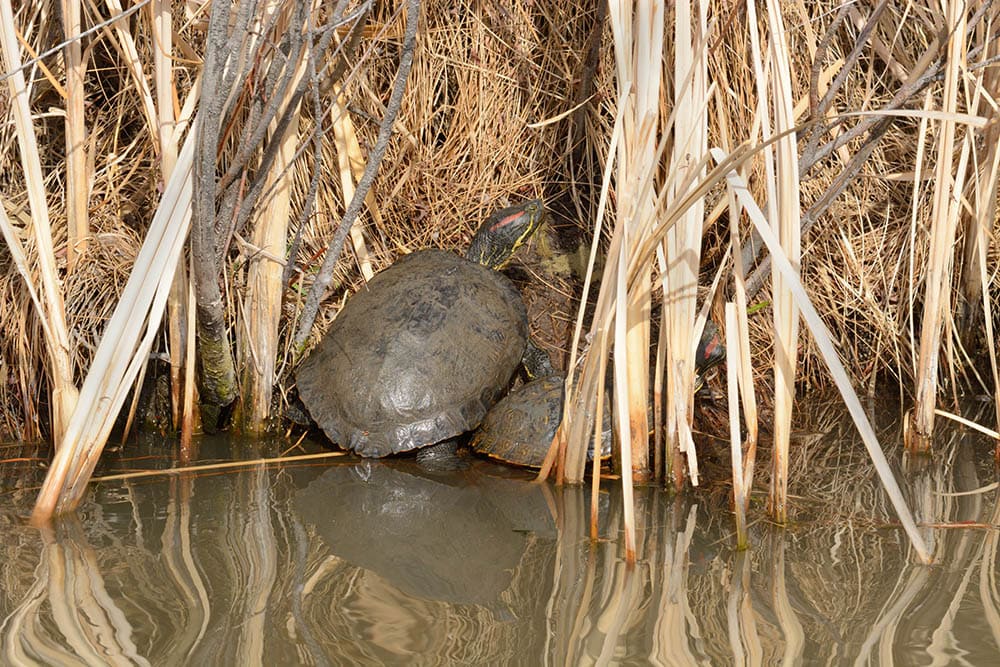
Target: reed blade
point(77, 178)
point(734, 361)
point(124, 347)
point(63, 390)
point(944, 223)
point(784, 213)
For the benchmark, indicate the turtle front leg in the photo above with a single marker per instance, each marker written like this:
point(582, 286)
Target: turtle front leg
point(441, 457)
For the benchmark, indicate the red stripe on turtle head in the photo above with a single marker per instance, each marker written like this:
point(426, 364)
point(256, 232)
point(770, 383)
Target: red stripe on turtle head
point(503, 222)
point(712, 346)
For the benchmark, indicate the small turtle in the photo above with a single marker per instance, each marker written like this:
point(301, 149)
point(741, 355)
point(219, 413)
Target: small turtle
point(519, 429)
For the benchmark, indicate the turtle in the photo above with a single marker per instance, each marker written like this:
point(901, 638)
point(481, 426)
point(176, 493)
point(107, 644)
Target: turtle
point(520, 427)
point(417, 357)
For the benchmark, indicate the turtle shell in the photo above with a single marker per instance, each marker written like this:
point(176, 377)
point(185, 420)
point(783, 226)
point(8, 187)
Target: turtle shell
point(417, 357)
point(520, 427)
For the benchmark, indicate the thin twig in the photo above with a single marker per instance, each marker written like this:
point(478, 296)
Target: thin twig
point(283, 64)
point(217, 466)
point(819, 57)
point(252, 193)
point(325, 275)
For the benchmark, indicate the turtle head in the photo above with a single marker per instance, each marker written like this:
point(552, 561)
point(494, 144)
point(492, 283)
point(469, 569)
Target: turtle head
point(504, 232)
point(710, 352)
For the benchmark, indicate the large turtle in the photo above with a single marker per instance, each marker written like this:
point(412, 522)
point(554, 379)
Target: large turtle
point(419, 355)
point(520, 427)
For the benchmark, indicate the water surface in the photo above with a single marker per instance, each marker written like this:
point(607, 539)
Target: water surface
point(351, 562)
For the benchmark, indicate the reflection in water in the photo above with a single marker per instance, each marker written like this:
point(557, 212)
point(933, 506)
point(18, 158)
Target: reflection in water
point(443, 538)
point(68, 577)
point(373, 563)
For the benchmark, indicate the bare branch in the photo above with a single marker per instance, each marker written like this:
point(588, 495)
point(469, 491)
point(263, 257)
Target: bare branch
point(325, 275)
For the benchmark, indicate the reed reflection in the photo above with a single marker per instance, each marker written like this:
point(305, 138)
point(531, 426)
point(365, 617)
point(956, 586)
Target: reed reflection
point(374, 563)
point(69, 595)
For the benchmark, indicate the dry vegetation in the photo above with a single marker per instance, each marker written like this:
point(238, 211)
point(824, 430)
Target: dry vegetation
point(507, 101)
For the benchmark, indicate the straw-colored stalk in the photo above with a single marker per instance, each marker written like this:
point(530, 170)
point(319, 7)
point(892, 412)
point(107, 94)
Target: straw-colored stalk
point(627, 440)
point(258, 339)
point(979, 428)
point(638, 35)
point(635, 156)
point(741, 335)
point(638, 39)
point(351, 165)
point(159, 116)
point(784, 213)
point(944, 222)
point(52, 309)
point(734, 361)
point(576, 427)
point(679, 256)
point(188, 414)
point(161, 22)
point(981, 225)
point(77, 181)
point(744, 369)
point(177, 316)
point(127, 338)
point(637, 238)
point(187, 410)
point(191, 471)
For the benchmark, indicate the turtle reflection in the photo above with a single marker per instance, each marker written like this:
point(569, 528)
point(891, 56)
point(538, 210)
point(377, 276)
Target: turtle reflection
point(454, 539)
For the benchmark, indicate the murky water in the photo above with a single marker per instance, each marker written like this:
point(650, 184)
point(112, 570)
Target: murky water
point(350, 563)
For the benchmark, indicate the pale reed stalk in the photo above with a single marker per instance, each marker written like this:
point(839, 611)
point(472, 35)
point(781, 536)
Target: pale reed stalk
point(734, 361)
point(679, 256)
point(621, 318)
point(160, 121)
point(77, 178)
point(944, 222)
point(258, 338)
point(825, 345)
point(638, 33)
point(351, 165)
point(123, 349)
point(166, 126)
point(63, 391)
point(784, 214)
